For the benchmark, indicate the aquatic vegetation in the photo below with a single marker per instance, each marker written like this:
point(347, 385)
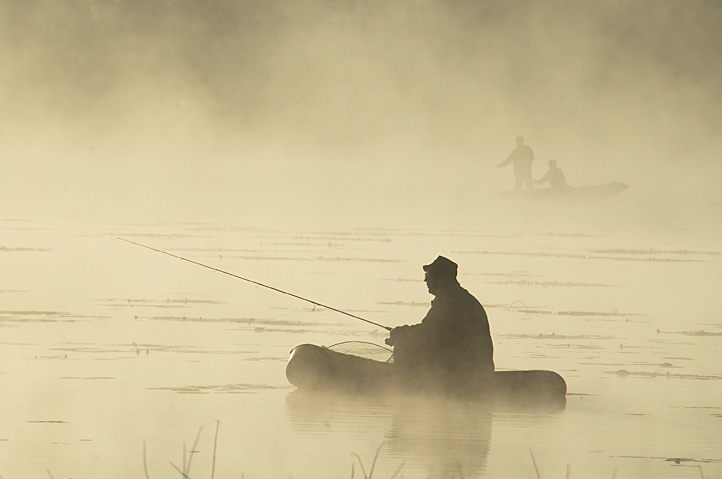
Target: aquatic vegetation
point(315, 259)
point(569, 468)
point(35, 316)
point(188, 456)
point(373, 465)
point(162, 235)
point(583, 256)
point(185, 469)
point(158, 303)
point(655, 251)
point(21, 249)
point(404, 303)
point(699, 333)
point(550, 284)
point(661, 374)
point(219, 388)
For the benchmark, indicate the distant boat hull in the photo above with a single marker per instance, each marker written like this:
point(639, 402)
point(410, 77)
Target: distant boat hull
point(568, 193)
point(317, 368)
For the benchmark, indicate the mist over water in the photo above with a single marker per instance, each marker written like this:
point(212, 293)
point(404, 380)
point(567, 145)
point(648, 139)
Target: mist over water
point(251, 111)
point(331, 148)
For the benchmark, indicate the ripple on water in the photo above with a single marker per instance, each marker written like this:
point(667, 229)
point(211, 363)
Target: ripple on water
point(552, 284)
point(661, 374)
point(585, 256)
point(37, 316)
point(220, 389)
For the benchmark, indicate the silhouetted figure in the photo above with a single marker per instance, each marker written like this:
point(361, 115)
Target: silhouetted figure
point(554, 176)
point(522, 157)
point(451, 348)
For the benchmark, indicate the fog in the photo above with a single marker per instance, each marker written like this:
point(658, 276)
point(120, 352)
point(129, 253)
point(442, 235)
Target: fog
point(330, 148)
point(364, 112)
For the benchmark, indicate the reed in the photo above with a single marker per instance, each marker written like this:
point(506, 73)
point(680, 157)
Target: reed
point(183, 474)
point(215, 444)
point(145, 462)
point(187, 456)
point(536, 468)
point(187, 467)
point(373, 465)
point(185, 471)
point(569, 469)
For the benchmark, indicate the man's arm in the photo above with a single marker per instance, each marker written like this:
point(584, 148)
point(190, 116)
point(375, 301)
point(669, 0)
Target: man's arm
point(431, 320)
point(506, 162)
point(543, 179)
point(397, 333)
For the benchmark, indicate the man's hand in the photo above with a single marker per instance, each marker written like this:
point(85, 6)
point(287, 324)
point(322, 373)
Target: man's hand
point(395, 334)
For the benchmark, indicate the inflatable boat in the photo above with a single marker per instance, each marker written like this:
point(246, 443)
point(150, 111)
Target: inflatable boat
point(319, 368)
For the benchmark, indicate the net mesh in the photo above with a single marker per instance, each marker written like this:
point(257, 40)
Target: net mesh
point(363, 349)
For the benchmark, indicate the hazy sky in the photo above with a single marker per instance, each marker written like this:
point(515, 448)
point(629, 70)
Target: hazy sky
point(248, 109)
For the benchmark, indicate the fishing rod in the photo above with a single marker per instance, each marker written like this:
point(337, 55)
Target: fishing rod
point(257, 283)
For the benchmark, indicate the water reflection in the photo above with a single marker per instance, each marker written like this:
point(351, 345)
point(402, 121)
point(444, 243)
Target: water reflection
point(443, 438)
point(451, 439)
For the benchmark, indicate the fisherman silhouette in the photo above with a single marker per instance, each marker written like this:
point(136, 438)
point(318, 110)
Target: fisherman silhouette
point(451, 348)
point(522, 157)
point(554, 176)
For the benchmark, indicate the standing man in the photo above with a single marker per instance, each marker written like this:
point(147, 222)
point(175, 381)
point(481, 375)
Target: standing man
point(522, 157)
point(451, 349)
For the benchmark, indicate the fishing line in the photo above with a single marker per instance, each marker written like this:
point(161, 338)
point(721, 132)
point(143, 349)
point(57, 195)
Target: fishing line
point(54, 275)
point(315, 303)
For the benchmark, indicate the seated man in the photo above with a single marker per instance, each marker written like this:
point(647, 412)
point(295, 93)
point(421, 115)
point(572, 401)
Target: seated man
point(554, 176)
point(451, 348)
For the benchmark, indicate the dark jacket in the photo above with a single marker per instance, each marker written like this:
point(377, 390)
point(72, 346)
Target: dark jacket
point(555, 177)
point(522, 157)
point(452, 345)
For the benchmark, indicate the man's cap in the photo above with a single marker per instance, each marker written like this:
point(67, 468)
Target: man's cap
point(441, 265)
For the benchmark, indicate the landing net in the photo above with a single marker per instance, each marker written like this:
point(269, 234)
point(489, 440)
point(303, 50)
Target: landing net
point(363, 349)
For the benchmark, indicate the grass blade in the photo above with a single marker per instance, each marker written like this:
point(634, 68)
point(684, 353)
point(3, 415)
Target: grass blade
point(145, 463)
point(363, 469)
point(536, 468)
point(179, 470)
point(193, 451)
point(215, 444)
point(398, 469)
point(376, 456)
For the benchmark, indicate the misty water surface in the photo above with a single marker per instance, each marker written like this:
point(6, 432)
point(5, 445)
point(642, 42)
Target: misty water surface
point(108, 346)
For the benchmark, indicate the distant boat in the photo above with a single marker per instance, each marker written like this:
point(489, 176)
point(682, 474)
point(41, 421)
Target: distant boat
point(569, 193)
